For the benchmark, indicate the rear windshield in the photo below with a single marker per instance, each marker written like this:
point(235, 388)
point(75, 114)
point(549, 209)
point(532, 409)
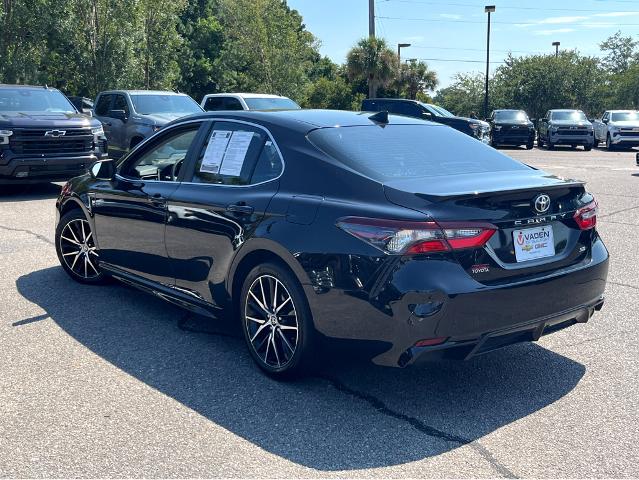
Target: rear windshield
point(575, 115)
point(271, 104)
point(39, 100)
point(511, 116)
point(625, 116)
point(149, 104)
point(408, 151)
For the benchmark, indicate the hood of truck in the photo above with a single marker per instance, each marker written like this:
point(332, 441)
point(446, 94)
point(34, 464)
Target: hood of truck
point(625, 124)
point(570, 123)
point(10, 120)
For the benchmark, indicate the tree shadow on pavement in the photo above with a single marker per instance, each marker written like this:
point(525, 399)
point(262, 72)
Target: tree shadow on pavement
point(352, 416)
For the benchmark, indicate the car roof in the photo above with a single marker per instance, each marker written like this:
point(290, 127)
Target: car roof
point(29, 87)
point(508, 110)
point(244, 95)
point(304, 120)
point(145, 92)
point(565, 110)
point(389, 99)
point(622, 111)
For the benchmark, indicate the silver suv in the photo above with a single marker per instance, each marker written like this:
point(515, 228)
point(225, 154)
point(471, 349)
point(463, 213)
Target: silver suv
point(130, 116)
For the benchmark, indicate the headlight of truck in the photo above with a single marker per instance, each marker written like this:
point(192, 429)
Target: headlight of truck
point(554, 129)
point(4, 136)
point(97, 130)
point(497, 127)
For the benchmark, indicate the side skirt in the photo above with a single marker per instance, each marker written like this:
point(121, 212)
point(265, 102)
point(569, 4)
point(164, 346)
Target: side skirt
point(181, 298)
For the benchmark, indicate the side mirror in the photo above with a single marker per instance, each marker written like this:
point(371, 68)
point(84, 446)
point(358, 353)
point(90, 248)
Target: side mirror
point(118, 115)
point(427, 115)
point(87, 111)
point(605, 121)
point(103, 170)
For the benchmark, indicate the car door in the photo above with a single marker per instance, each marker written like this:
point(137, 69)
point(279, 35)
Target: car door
point(602, 127)
point(221, 202)
point(101, 111)
point(130, 212)
point(120, 142)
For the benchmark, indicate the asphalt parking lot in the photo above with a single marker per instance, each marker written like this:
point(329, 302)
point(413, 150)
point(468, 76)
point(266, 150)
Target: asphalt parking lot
point(108, 381)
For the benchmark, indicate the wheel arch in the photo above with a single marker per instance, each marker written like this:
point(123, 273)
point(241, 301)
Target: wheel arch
point(74, 203)
point(256, 252)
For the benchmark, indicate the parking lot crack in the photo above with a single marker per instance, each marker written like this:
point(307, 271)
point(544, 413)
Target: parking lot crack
point(29, 232)
point(619, 284)
point(420, 426)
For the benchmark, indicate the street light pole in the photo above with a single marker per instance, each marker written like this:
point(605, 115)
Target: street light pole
point(556, 45)
point(487, 9)
point(399, 51)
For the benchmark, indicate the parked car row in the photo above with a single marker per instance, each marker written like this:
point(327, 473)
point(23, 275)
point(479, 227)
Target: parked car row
point(45, 136)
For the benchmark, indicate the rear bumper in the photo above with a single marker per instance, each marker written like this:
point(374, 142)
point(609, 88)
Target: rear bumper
point(46, 169)
point(436, 298)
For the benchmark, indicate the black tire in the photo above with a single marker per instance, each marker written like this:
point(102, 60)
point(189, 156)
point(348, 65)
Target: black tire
point(279, 325)
point(550, 145)
point(609, 146)
point(76, 249)
point(587, 148)
point(530, 145)
point(540, 141)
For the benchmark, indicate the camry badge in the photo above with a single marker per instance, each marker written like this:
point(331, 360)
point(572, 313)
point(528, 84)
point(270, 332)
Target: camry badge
point(541, 203)
point(55, 133)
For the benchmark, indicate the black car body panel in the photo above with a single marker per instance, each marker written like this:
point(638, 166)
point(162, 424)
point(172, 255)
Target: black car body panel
point(45, 146)
point(511, 127)
point(191, 243)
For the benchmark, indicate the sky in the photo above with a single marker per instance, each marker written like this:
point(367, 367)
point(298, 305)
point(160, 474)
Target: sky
point(450, 35)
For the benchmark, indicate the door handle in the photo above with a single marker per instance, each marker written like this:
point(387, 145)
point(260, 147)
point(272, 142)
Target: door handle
point(240, 208)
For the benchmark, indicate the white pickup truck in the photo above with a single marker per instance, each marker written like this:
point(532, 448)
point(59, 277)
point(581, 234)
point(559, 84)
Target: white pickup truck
point(618, 128)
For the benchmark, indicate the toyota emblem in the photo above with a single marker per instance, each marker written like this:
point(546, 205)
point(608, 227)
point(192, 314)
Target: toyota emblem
point(541, 203)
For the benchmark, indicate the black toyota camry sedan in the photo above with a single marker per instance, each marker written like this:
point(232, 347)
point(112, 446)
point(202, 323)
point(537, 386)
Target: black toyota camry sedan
point(385, 231)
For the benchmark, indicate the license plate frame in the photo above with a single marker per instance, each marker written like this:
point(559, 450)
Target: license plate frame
point(533, 243)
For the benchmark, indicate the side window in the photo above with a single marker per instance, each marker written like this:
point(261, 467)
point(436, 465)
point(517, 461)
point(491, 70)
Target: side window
point(269, 164)
point(236, 154)
point(119, 103)
point(231, 103)
point(406, 108)
point(104, 105)
point(214, 103)
point(164, 158)
point(606, 115)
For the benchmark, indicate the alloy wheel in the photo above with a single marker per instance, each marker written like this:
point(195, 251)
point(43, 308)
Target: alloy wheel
point(271, 321)
point(78, 249)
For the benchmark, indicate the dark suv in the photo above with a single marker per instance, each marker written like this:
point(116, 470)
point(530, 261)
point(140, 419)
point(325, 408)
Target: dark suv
point(511, 127)
point(426, 111)
point(43, 137)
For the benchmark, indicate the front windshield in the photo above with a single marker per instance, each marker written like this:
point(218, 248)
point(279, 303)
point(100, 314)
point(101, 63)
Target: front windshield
point(441, 111)
point(266, 103)
point(511, 116)
point(34, 100)
point(625, 116)
point(152, 104)
point(575, 115)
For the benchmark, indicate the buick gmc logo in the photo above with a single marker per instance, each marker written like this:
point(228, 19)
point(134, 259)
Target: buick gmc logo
point(541, 203)
point(55, 133)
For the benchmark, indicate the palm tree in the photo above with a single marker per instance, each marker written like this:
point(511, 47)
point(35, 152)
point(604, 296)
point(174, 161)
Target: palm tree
point(371, 59)
point(415, 77)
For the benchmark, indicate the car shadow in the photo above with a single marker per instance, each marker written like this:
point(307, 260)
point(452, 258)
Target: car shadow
point(40, 191)
point(351, 416)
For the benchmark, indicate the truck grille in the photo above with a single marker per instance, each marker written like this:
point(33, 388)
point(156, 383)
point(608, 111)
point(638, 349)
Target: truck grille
point(35, 141)
point(571, 131)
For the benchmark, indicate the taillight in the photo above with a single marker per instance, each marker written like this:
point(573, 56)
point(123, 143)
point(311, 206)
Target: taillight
point(586, 217)
point(399, 237)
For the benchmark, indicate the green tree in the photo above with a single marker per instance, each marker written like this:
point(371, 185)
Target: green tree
point(415, 77)
point(372, 60)
point(620, 52)
point(464, 96)
point(266, 49)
